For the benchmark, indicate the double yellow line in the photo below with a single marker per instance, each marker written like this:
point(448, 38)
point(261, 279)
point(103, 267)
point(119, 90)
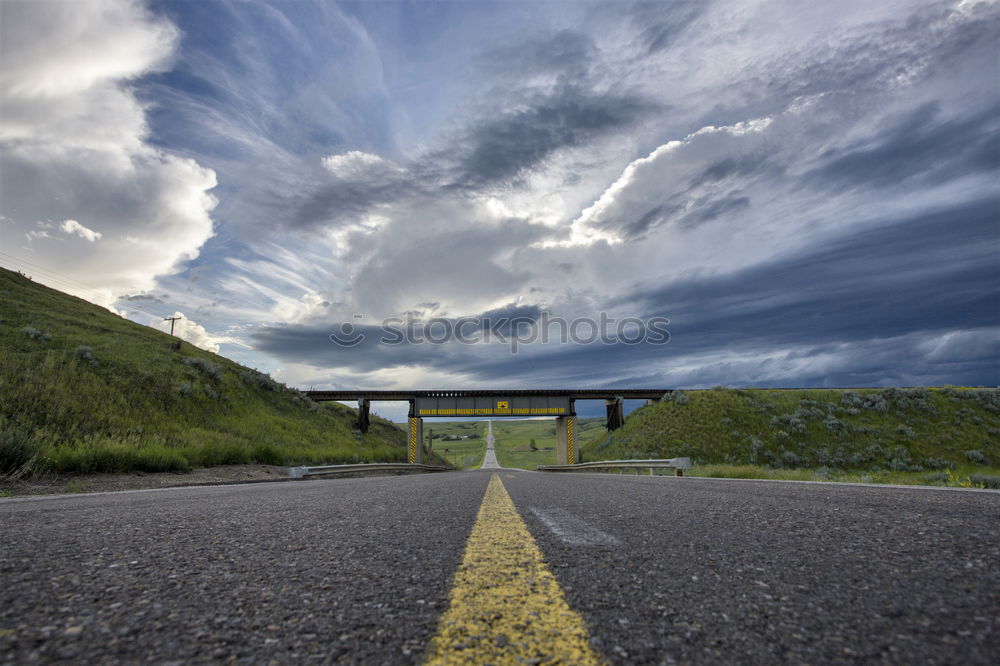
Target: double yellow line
point(505, 605)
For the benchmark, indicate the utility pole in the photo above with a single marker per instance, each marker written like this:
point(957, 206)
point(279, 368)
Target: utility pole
point(171, 320)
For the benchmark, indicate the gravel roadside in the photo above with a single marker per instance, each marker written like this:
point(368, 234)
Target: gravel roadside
point(57, 484)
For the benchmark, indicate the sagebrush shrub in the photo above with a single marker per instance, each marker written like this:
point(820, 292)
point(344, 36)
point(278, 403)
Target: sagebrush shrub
point(260, 380)
point(977, 457)
point(35, 334)
point(208, 369)
point(85, 353)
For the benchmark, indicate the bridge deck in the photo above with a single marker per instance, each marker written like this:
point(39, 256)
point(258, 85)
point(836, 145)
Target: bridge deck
point(572, 394)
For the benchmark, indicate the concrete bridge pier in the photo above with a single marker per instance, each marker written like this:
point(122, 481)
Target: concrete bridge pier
point(565, 440)
point(415, 450)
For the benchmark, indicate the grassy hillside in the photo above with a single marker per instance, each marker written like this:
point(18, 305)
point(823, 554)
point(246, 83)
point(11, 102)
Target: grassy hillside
point(907, 430)
point(82, 389)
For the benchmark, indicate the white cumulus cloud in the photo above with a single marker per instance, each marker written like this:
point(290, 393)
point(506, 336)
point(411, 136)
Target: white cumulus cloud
point(74, 227)
point(193, 332)
point(74, 146)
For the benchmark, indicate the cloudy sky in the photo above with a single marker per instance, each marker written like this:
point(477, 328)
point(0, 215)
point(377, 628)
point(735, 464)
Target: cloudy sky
point(807, 191)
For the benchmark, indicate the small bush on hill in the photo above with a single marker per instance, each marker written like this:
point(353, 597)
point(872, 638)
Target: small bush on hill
point(260, 380)
point(977, 457)
point(984, 481)
point(210, 370)
point(85, 353)
point(35, 334)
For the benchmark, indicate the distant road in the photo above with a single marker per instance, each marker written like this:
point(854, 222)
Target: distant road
point(490, 459)
point(649, 569)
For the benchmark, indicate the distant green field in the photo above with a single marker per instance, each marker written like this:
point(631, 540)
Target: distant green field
point(461, 443)
point(513, 440)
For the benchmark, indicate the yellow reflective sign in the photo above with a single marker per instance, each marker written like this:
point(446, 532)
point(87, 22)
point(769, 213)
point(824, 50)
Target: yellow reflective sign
point(502, 404)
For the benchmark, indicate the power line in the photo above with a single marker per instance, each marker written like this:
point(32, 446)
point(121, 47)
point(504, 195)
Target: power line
point(67, 282)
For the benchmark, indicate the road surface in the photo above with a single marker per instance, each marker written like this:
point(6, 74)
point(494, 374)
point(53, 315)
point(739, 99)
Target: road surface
point(490, 459)
point(398, 570)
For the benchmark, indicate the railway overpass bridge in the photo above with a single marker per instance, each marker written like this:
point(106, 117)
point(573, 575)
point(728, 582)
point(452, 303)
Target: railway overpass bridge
point(557, 403)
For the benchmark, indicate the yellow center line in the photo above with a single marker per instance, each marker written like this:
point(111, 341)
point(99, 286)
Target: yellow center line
point(505, 605)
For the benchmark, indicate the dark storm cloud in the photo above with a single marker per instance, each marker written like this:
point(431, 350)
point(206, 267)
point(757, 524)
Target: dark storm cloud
point(650, 219)
point(742, 165)
point(509, 319)
point(400, 341)
point(148, 298)
point(872, 300)
point(375, 348)
point(710, 209)
point(919, 145)
point(934, 272)
point(499, 149)
point(686, 213)
point(344, 201)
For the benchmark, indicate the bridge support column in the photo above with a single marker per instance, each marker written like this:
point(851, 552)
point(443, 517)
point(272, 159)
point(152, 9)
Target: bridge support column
point(616, 413)
point(363, 412)
point(415, 452)
point(566, 440)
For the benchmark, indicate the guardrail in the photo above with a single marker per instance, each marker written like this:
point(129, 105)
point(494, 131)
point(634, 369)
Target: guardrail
point(299, 472)
point(678, 464)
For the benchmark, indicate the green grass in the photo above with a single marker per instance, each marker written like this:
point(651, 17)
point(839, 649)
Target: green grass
point(964, 477)
point(84, 390)
point(513, 443)
point(866, 430)
point(513, 440)
point(461, 443)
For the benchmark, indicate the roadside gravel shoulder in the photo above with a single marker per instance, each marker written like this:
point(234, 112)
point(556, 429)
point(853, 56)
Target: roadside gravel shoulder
point(55, 484)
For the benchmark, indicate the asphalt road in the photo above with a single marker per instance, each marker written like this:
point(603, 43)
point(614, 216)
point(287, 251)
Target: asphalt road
point(661, 569)
point(490, 458)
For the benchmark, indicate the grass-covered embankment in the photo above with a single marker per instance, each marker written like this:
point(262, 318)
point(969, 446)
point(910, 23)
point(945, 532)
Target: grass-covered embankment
point(895, 435)
point(84, 390)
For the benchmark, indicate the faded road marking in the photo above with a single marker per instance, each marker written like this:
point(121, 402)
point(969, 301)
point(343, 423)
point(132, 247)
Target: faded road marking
point(572, 530)
point(506, 606)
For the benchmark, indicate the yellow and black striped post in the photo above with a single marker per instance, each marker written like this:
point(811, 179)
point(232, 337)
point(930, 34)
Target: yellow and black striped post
point(565, 440)
point(570, 452)
point(415, 454)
